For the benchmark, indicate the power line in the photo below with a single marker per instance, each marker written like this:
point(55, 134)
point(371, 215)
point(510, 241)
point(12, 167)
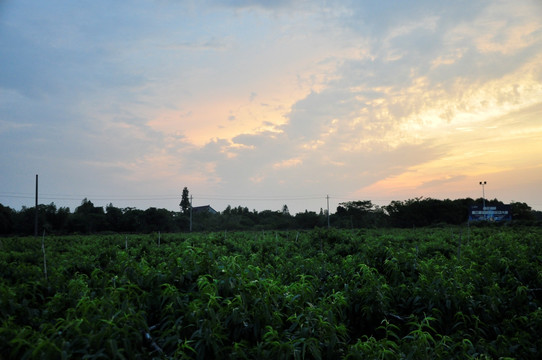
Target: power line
point(259, 198)
point(164, 197)
point(212, 197)
point(99, 197)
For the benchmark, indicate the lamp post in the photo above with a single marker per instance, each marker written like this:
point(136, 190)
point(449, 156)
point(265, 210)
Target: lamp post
point(483, 183)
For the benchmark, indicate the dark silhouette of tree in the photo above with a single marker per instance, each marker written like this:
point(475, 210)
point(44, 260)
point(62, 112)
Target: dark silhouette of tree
point(308, 220)
point(158, 220)
point(424, 212)
point(285, 210)
point(7, 216)
point(113, 217)
point(132, 220)
point(52, 219)
point(88, 218)
point(521, 211)
point(185, 201)
point(361, 213)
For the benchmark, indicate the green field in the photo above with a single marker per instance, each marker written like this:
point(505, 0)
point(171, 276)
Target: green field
point(322, 294)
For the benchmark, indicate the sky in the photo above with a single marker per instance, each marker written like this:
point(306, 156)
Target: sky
point(268, 103)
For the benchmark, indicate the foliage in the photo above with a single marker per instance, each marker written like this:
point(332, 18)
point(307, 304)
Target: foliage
point(185, 201)
point(90, 219)
point(361, 214)
point(453, 293)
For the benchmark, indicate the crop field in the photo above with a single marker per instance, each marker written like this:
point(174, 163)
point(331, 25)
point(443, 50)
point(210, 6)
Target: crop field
point(450, 293)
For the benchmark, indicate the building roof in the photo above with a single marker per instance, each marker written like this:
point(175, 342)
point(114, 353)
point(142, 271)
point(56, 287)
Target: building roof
point(203, 209)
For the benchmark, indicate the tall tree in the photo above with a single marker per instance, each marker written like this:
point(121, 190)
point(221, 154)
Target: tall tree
point(185, 202)
point(285, 210)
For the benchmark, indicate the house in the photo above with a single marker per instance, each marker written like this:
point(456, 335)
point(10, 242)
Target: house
point(206, 209)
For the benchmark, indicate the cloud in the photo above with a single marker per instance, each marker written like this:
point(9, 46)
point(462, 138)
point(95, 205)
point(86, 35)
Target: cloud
point(288, 163)
point(260, 4)
point(271, 98)
point(390, 118)
point(507, 28)
point(213, 43)
point(377, 120)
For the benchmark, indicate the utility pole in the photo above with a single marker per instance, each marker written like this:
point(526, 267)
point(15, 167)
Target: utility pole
point(327, 198)
point(190, 213)
point(483, 183)
point(36, 210)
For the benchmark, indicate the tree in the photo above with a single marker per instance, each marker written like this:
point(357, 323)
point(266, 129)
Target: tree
point(88, 218)
point(308, 220)
point(355, 207)
point(361, 213)
point(113, 217)
point(285, 210)
point(185, 202)
point(52, 219)
point(158, 220)
point(521, 211)
point(7, 216)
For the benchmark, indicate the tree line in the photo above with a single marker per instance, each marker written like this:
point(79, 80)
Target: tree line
point(88, 218)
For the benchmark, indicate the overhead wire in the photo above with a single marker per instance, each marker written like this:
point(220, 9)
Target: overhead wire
point(215, 197)
point(49, 196)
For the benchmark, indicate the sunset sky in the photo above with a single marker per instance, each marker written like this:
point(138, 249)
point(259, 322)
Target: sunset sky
point(266, 103)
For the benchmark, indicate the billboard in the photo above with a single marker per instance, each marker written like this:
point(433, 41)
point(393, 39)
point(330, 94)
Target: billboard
point(490, 213)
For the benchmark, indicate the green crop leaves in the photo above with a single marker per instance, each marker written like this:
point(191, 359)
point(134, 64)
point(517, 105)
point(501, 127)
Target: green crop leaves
point(325, 294)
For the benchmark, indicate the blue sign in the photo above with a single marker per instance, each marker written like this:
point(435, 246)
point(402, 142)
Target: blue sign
point(490, 213)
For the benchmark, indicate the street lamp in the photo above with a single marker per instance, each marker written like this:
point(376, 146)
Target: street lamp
point(483, 183)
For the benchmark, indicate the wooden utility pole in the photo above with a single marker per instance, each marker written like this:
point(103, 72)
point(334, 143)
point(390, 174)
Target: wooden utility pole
point(190, 213)
point(36, 210)
point(327, 197)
